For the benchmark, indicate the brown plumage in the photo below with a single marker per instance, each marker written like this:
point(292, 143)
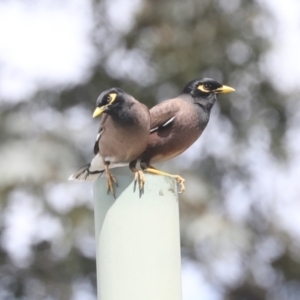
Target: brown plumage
point(177, 123)
point(122, 137)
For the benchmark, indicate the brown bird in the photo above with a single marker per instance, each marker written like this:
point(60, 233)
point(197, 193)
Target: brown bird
point(122, 137)
point(177, 123)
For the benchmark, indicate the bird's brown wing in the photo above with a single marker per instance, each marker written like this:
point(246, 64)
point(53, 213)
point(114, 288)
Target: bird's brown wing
point(163, 114)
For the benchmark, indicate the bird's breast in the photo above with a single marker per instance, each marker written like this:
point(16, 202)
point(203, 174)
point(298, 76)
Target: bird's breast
point(120, 143)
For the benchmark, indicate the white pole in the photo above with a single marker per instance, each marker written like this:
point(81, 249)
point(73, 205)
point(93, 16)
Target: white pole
point(137, 239)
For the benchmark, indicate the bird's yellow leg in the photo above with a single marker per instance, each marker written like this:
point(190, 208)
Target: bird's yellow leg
point(110, 180)
point(178, 178)
point(138, 175)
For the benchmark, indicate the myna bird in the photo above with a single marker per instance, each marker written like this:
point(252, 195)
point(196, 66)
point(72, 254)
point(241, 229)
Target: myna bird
point(177, 123)
point(122, 137)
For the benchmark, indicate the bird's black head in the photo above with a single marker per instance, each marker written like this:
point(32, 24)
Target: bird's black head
point(108, 100)
point(204, 91)
point(205, 87)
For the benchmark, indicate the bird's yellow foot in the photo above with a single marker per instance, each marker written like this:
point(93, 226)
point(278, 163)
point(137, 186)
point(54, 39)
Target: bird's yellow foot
point(111, 180)
point(178, 178)
point(140, 178)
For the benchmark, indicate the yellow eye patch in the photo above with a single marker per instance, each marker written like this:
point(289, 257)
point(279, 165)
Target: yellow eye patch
point(203, 89)
point(112, 98)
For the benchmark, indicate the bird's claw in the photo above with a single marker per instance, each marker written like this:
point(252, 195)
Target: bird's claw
point(111, 180)
point(140, 178)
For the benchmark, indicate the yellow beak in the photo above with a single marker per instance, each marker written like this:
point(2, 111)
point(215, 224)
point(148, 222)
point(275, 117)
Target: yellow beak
point(224, 89)
point(99, 110)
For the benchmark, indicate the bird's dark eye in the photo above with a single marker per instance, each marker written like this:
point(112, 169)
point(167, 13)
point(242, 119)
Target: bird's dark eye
point(207, 86)
point(106, 100)
point(109, 98)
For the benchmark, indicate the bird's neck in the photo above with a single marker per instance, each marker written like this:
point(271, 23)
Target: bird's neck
point(205, 104)
point(203, 111)
point(124, 118)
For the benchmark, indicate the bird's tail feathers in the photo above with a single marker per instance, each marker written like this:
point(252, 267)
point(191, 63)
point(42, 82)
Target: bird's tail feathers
point(93, 170)
point(86, 174)
point(89, 172)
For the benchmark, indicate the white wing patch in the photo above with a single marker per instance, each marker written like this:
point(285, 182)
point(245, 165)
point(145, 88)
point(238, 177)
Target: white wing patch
point(96, 146)
point(153, 129)
point(99, 134)
point(163, 125)
point(168, 122)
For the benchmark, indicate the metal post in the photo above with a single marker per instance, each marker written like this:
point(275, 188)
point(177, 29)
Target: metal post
point(137, 239)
